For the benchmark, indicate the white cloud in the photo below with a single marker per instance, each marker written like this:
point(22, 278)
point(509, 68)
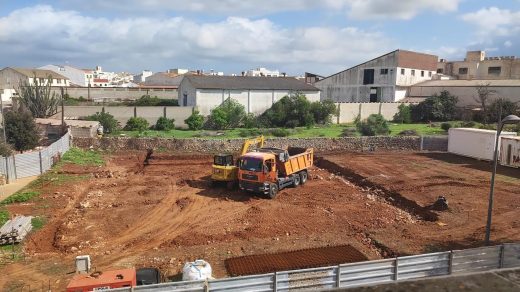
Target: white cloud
point(39, 35)
point(359, 9)
point(495, 27)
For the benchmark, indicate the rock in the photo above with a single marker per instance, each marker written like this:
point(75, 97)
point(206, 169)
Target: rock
point(84, 205)
point(73, 249)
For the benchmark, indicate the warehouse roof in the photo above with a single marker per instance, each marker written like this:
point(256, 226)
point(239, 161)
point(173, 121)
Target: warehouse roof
point(248, 82)
point(469, 83)
point(40, 73)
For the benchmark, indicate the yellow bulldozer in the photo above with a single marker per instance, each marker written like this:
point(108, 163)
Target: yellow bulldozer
point(225, 169)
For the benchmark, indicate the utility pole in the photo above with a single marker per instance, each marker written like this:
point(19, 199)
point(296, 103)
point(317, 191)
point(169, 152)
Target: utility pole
point(62, 110)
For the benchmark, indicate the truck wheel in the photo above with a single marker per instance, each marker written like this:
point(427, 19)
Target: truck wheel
point(230, 185)
point(303, 177)
point(297, 180)
point(273, 191)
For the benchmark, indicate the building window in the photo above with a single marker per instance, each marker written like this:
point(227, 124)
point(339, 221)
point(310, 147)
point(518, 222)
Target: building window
point(430, 74)
point(41, 80)
point(494, 70)
point(413, 72)
point(440, 71)
point(463, 71)
point(58, 81)
point(368, 76)
point(384, 71)
point(402, 71)
point(422, 73)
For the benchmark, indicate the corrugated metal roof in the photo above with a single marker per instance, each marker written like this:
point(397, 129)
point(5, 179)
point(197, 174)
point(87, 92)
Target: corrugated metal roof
point(247, 82)
point(469, 83)
point(40, 73)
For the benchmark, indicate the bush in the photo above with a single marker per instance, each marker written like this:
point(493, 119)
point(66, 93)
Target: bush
point(469, 124)
point(349, 132)
point(322, 111)
point(408, 133)
point(503, 105)
point(290, 111)
point(147, 100)
point(375, 124)
point(445, 126)
point(249, 132)
point(230, 114)
point(435, 108)
point(136, 124)
point(164, 124)
point(280, 132)
point(109, 123)
point(404, 114)
point(21, 130)
point(195, 121)
point(5, 149)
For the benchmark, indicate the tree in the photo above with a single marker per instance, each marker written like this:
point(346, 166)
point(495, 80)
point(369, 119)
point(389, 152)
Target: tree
point(500, 108)
point(136, 124)
point(441, 107)
point(483, 95)
point(375, 124)
point(322, 111)
point(290, 111)
point(109, 123)
point(230, 114)
point(404, 114)
point(37, 98)
point(195, 121)
point(164, 124)
point(21, 130)
point(5, 149)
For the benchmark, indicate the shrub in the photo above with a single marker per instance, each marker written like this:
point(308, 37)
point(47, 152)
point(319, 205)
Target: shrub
point(5, 149)
point(164, 124)
point(408, 133)
point(289, 111)
point(109, 123)
point(21, 130)
point(435, 108)
point(349, 132)
point(404, 114)
point(195, 121)
point(446, 126)
point(249, 132)
point(230, 114)
point(322, 111)
point(280, 132)
point(501, 105)
point(375, 124)
point(468, 124)
point(147, 100)
point(250, 121)
point(136, 124)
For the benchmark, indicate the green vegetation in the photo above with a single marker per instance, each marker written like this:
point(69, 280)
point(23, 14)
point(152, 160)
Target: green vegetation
point(20, 197)
point(83, 157)
point(21, 130)
point(195, 121)
point(374, 125)
point(5, 149)
point(109, 123)
point(37, 223)
point(404, 114)
point(164, 124)
point(436, 108)
point(4, 216)
point(230, 114)
point(136, 124)
point(38, 97)
point(147, 100)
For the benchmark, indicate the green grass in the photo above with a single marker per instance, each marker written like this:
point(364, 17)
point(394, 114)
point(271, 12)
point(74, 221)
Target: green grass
point(20, 197)
point(83, 157)
point(4, 216)
point(422, 129)
point(37, 223)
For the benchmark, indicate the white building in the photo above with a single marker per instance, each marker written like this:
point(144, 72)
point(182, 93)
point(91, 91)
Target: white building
point(255, 93)
point(140, 78)
point(11, 77)
point(384, 79)
point(76, 76)
point(100, 82)
point(262, 72)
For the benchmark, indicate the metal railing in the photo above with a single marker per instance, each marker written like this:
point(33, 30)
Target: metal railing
point(359, 274)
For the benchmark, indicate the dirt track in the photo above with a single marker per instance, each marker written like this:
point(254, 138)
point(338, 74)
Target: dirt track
point(163, 213)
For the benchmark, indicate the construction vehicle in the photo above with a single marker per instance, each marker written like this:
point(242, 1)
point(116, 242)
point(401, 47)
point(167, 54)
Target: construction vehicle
point(225, 170)
point(269, 170)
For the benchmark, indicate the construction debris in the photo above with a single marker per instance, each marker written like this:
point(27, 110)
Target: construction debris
point(15, 230)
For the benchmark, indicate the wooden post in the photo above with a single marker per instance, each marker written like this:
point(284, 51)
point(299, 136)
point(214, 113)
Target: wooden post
point(164, 112)
point(41, 163)
point(135, 112)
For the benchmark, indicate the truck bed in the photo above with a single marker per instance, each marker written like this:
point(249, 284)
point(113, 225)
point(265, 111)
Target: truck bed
point(299, 160)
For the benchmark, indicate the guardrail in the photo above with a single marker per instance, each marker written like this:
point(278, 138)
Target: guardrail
point(358, 274)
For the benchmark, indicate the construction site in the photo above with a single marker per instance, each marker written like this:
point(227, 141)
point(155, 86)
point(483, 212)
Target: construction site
point(160, 209)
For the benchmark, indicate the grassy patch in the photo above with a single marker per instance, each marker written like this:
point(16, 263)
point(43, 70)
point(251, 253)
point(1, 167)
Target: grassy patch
point(83, 157)
point(20, 197)
point(422, 129)
point(37, 223)
point(4, 216)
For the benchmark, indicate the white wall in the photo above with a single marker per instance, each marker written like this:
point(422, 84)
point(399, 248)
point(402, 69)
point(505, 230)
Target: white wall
point(407, 79)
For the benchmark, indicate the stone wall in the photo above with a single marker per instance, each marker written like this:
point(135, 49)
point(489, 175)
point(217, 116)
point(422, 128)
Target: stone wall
point(434, 143)
point(196, 145)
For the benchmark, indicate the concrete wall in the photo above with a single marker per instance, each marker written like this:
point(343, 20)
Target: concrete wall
point(380, 143)
point(510, 69)
point(118, 92)
point(466, 94)
point(123, 113)
point(349, 111)
point(409, 78)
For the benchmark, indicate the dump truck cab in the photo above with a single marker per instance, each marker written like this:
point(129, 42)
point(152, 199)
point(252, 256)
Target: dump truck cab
point(271, 169)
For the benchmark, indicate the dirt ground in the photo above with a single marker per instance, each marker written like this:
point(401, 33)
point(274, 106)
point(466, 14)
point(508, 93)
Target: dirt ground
point(163, 213)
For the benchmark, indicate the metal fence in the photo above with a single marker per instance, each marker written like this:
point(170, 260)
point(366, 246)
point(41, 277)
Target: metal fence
point(359, 274)
point(35, 162)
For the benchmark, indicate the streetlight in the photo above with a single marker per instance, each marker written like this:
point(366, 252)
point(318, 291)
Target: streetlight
point(511, 119)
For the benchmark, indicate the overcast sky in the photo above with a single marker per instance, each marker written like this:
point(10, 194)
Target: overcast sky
point(293, 36)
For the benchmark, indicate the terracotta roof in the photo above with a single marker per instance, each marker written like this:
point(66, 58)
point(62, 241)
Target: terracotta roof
point(39, 73)
point(247, 82)
point(100, 80)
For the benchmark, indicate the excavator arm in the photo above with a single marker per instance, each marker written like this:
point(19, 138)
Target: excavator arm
point(259, 141)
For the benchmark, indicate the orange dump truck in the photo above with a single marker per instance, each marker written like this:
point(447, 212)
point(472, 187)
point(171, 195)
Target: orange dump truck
point(268, 170)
